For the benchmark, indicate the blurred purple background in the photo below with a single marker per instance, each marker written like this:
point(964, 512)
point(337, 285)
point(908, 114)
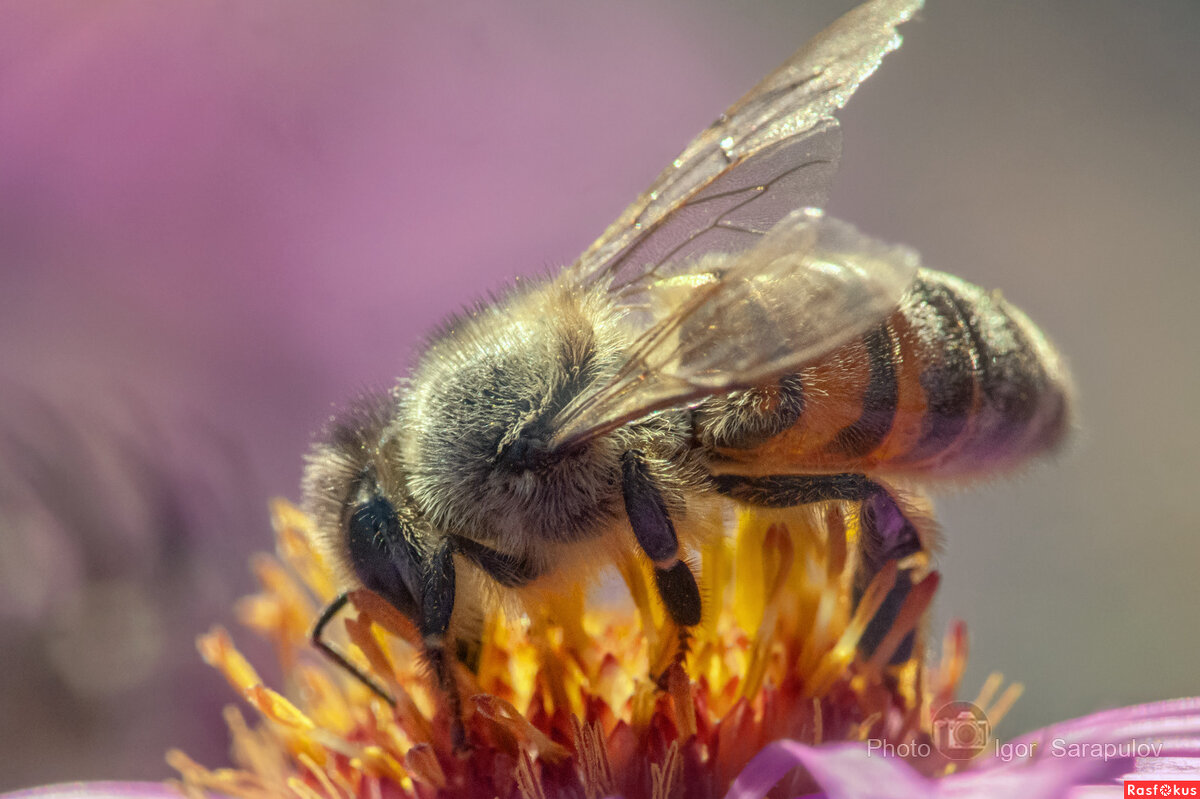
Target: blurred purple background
point(218, 218)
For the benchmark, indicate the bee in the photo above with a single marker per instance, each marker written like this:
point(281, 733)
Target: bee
point(724, 341)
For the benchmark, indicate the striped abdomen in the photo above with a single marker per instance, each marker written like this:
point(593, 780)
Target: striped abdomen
point(955, 382)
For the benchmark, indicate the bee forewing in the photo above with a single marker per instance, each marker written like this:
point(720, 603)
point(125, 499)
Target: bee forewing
point(774, 151)
point(734, 321)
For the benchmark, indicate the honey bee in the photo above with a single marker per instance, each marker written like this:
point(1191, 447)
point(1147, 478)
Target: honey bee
point(723, 341)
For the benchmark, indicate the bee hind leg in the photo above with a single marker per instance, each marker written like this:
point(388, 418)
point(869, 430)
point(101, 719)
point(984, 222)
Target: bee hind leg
point(888, 533)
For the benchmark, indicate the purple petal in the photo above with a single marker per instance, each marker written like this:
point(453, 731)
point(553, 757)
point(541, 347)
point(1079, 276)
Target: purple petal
point(1172, 728)
point(1147, 714)
point(1043, 779)
point(97, 790)
point(844, 771)
point(1169, 766)
point(1161, 735)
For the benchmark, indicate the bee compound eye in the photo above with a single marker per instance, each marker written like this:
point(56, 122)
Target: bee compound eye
point(383, 554)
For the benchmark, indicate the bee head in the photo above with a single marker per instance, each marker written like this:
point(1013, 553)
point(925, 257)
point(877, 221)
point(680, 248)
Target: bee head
point(526, 446)
point(354, 489)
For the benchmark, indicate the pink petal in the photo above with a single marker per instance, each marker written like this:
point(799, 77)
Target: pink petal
point(97, 790)
point(844, 771)
point(1148, 714)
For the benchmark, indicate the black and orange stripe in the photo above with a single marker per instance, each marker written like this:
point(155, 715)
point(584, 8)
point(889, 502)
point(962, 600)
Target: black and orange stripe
point(955, 382)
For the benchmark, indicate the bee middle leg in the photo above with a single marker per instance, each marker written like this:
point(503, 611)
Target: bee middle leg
point(655, 534)
point(745, 419)
point(887, 534)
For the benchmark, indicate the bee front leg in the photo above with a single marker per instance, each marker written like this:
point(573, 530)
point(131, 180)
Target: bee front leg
point(509, 571)
point(655, 533)
point(437, 604)
point(888, 534)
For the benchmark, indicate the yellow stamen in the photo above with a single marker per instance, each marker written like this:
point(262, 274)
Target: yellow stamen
point(583, 696)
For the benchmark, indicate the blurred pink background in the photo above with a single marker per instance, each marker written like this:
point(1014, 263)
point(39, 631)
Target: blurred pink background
point(218, 219)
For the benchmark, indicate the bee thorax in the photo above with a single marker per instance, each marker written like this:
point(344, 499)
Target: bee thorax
point(479, 420)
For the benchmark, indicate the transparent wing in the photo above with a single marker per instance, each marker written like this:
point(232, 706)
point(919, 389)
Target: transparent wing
point(774, 151)
point(735, 321)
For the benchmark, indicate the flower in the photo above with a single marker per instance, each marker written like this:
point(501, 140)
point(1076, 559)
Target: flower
point(772, 697)
point(566, 702)
point(96, 790)
point(1080, 758)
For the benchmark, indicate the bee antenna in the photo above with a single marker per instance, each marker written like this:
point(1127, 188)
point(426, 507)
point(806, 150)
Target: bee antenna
point(336, 656)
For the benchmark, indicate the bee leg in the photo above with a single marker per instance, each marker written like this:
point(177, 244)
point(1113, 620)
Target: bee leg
point(510, 571)
point(683, 646)
point(888, 534)
point(437, 603)
point(656, 534)
point(746, 419)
